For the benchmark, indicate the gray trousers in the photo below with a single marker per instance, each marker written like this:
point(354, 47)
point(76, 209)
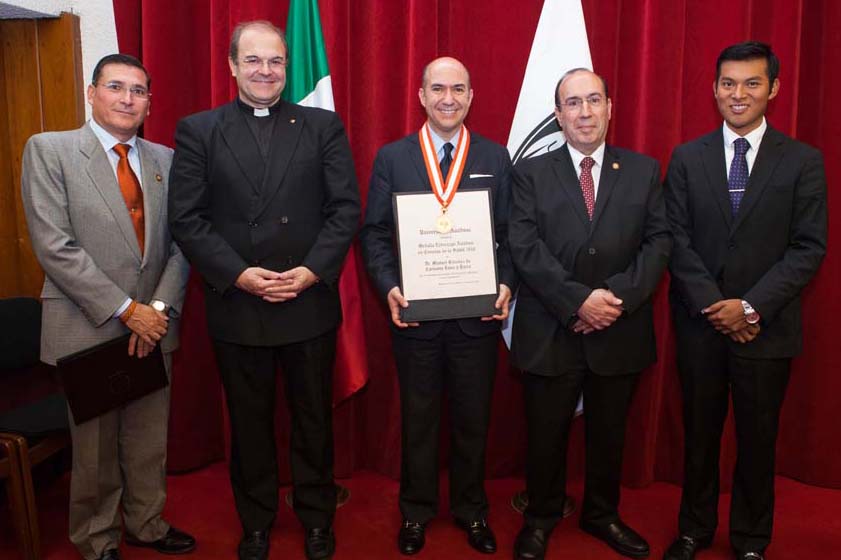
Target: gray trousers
point(119, 458)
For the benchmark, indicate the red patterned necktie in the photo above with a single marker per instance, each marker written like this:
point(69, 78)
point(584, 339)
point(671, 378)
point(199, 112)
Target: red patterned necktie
point(588, 189)
point(133, 196)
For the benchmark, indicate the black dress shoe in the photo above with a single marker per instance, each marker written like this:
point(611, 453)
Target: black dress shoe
point(619, 537)
point(530, 543)
point(685, 547)
point(410, 539)
point(173, 542)
point(254, 546)
point(749, 556)
point(111, 554)
point(479, 535)
point(319, 543)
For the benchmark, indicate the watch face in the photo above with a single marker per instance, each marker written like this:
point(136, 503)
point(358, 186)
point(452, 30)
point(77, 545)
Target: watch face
point(752, 318)
point(159, 306)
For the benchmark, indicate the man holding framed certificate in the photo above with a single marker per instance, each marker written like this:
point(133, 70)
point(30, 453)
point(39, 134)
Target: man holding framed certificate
point(443, 193)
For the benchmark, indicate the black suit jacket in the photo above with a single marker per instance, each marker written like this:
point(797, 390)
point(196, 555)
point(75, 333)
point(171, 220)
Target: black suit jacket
point(561, 256)
point(766, 254)
point(229, 210)
point(399, 167)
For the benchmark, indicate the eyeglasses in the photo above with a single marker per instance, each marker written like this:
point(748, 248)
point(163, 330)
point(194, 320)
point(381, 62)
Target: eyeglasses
point(118, 88)
point(255, 62)
point(576, 103)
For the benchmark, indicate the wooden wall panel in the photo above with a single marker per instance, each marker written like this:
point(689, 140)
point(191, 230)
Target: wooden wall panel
point(60, 55)
point(40, 89)
point(23, 107)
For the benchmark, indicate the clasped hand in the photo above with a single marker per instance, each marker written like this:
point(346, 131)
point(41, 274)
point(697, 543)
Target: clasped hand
point(147, 326)
point(276, 287)
point(598, 312)
point(727, 316)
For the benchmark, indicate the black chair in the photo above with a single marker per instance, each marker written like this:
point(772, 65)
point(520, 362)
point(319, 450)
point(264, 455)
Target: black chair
point(34, 429)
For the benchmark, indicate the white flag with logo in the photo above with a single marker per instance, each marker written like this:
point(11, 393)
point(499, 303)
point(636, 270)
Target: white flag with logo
point(560, 44)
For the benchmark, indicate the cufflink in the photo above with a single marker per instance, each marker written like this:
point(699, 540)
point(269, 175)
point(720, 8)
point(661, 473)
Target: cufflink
point(292, 121)
point(615, 165)
point(158, 177)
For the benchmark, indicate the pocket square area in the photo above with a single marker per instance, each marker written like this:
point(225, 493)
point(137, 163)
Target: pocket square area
point(480, 175)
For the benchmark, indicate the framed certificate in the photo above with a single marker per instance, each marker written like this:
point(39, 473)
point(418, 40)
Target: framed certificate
point(447, 260)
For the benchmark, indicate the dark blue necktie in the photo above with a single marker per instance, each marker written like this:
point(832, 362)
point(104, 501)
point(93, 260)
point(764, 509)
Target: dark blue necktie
point(446, 160)
point(738, 180)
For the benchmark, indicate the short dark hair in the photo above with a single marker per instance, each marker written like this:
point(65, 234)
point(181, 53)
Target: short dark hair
point(750, 50)
point(119, 58)
point(233, 50)
point(575, 71)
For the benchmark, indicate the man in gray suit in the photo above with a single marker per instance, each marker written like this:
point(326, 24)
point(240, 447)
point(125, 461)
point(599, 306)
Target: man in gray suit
point(95, 202)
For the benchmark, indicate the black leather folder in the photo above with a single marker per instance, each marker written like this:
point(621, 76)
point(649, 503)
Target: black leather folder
point(104, 377)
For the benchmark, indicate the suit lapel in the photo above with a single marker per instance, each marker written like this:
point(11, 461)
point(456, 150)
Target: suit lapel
point(105, 181)
point(568, 179)
point(416, 156)
point(285, 136)
point(607, 180)
point(770, 152)
point(241, 142)
point(153, 199)
point(716, 170)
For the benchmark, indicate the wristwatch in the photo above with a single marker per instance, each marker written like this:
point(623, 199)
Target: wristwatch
point(158, 305)
point(751, 316)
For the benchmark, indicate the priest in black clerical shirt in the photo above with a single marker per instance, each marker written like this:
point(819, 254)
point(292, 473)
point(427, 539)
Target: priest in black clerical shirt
point(264, 203)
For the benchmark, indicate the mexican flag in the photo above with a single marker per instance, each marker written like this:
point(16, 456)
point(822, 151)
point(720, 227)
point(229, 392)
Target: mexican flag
point(308, 83)
point(308, 76)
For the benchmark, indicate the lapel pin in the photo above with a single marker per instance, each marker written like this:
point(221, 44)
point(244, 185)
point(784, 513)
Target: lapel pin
point(158, 177)
point(615, 165)
point(292, 121)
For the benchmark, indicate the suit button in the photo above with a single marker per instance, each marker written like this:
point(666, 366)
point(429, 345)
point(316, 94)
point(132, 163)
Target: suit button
point(731, 246)
point(252, 224)
point(289, 260)
point(284, 220)
point(256, 262)
point(591, 251)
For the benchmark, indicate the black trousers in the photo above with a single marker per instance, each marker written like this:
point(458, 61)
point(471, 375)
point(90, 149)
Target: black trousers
point(248, 375)
point(710, 375)
point(550, 403)
point(465, 367)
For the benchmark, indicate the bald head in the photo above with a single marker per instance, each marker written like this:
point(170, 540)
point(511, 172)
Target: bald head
point(444, 62)
point(446, 95)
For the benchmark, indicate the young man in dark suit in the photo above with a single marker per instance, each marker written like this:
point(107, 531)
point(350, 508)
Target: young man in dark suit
point(747, 205)
point(590, 242)
point(264, 204)
point(457, 354)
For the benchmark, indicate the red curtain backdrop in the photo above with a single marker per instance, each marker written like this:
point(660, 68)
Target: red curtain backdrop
point(658, 57)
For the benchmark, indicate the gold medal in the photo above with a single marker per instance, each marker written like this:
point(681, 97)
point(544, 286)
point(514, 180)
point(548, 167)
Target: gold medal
point(444, 188)
point(443, 224)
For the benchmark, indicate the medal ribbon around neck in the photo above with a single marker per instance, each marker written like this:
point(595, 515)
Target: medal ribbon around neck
point(444, 189)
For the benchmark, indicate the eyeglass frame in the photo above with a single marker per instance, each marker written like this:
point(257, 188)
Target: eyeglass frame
point(255, 62)
point(117, 88)
point(594, 100)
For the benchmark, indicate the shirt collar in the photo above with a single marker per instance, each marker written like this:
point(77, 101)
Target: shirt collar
point(253, 111)
point(438, 142)
point(577, 156)
point(754, 137)
point(107, 140)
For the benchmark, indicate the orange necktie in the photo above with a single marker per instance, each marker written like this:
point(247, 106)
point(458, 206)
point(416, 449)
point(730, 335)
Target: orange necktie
point(130, 187)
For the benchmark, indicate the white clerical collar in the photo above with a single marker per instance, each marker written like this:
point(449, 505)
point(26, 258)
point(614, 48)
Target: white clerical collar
point(107, 140)
point(438, 142)
point(754, 137)
point(577, 156)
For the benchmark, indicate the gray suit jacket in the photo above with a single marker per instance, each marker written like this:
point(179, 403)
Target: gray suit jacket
point(84, 239)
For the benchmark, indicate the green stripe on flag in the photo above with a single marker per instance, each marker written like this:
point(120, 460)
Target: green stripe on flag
point(307, 55)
